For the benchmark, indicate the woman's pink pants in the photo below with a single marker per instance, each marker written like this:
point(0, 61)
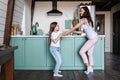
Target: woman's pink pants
point(88, 46)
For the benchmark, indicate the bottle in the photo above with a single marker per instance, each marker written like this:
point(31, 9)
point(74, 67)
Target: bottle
point(34, 30)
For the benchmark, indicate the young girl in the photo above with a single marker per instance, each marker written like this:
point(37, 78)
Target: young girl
point(54, 43)
point(87, 24)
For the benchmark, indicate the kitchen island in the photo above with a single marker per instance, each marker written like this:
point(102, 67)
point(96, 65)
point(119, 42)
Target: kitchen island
point(33, 53)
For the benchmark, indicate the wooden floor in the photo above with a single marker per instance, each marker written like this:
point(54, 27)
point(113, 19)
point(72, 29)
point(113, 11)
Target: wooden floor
point(111, 72)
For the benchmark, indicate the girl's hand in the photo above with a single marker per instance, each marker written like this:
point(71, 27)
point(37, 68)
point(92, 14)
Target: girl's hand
point(64, 33)
point(60, 35)
point(57, 39)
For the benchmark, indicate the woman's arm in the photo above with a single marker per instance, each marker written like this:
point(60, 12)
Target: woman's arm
point(74, 28)
point(57, 39)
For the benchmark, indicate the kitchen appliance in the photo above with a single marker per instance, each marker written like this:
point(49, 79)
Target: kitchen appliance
point(54, 11)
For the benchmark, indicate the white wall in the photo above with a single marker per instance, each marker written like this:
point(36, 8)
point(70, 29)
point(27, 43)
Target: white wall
point(3, 10)
point(17, 15)
point(40, 16)
point(18, 12)
point(23, 22)
point(107, 29)
point(27, 17)
point(113, 10)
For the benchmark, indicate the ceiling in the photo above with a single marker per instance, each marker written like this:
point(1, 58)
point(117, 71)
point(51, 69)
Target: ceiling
point(101, 5)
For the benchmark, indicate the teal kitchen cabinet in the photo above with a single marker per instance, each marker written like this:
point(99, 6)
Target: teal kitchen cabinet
point(79, 42)
point(50, 59)
point(98, 54)
point(67, 52)
point(31, 52)
point(19, 56)
point(35, 52)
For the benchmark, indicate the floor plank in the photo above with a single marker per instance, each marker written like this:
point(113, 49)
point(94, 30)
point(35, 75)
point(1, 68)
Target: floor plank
point(111, 72)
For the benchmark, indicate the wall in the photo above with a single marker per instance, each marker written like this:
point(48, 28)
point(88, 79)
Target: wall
point(107, 29)
point(17, 15)
point(18, 12)
point(27, 17)
point(113, 10)
point(3, 10)
point(41, 8)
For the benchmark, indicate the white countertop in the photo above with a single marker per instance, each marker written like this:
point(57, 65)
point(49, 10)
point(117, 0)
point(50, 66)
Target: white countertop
point(47, 36)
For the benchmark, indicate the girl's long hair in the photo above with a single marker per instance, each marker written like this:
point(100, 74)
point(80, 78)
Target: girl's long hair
point(52, 27)
point(87, 15)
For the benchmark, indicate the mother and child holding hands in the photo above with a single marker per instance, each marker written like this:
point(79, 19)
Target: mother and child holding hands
point(54, 41)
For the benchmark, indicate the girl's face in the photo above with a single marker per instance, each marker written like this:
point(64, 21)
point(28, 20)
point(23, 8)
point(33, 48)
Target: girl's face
point(82, 11)
point(56, 28)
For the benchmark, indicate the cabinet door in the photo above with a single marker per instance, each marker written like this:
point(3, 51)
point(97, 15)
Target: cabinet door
point(19, 53)
point(98, 54)
point(79, 42)
point(35, 53)
point(50, 59)
point(67, 51)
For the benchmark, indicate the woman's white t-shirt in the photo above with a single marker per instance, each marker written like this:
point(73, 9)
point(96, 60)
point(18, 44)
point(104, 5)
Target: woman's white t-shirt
point(90, 32)
point(54, 35)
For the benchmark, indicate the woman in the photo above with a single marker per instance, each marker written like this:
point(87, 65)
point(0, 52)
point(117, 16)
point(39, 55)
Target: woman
point(86, 24)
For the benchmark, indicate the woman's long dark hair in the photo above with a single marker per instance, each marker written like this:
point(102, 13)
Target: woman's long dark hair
point(87, 15)
point(52, 27)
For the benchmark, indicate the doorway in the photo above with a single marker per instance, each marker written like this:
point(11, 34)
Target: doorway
point(100, 24)
point(116, 33)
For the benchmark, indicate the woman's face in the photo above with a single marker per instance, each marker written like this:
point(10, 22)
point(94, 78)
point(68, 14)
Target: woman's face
point(56, 28)
point(82, 11)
